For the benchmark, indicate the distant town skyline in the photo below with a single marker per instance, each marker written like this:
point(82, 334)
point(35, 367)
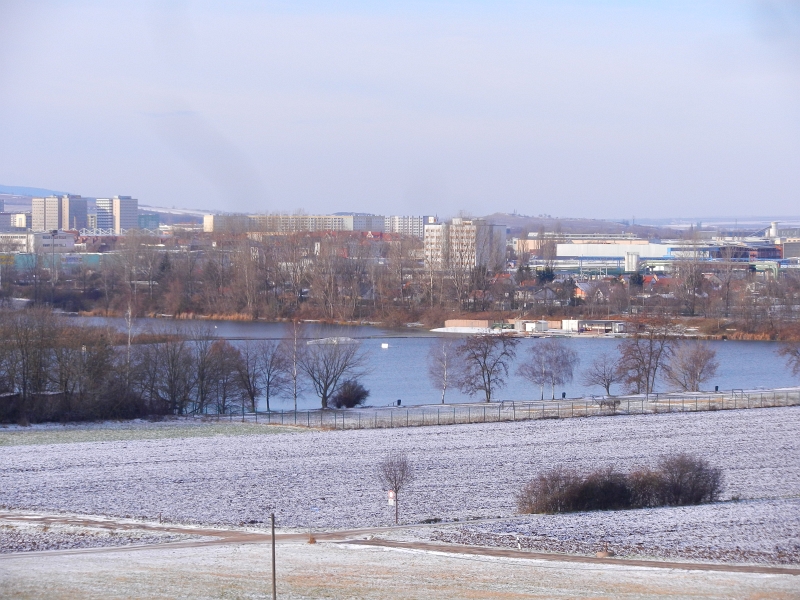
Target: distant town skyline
point(575, 109)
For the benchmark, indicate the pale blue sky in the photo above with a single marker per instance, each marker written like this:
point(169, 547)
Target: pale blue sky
point(599, 109)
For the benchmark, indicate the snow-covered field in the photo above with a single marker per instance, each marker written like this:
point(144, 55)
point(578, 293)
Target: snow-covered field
point(462, 472)
point(346, 571)
point(752, 531)
point(34, 537)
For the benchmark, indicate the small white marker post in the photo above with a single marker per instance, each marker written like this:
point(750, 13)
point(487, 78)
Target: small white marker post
point(392, 498)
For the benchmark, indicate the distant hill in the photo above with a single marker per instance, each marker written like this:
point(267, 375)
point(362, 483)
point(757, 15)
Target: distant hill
point(521, 224)
point(20, 190)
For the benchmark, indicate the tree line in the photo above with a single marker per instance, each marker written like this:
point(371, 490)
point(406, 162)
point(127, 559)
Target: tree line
point(349, 276)
point(480, 365)
point(54, 369)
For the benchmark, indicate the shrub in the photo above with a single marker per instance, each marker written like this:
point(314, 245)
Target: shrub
point(688, 480)
point(350, 394)
point(602, 490)
point(549, 492)
point(677, 481)
point(646, 488)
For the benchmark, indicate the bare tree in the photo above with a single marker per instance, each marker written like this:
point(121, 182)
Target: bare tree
point(224, 376)
point(275, 370)
point(441, 357)
point(329, 361)
point(603, 372)
point(202, 339)
point(792, 354)
point(690, 365)
point(395, 472)
point(643, 354)
point(293, 348)
point(248, 369)
point(485, 360)
point(550, 362)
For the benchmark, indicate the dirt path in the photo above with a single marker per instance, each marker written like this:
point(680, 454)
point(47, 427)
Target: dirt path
point(220, 536)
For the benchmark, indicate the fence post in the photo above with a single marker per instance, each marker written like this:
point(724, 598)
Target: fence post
point(469, 414)
point(573, 410)
point(484, 414)
point(513, 411)
point(406, 417)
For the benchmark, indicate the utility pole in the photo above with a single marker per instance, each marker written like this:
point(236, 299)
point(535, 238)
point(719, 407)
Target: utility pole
point(274, 587)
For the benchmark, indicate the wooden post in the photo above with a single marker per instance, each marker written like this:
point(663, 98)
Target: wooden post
point(274, 586)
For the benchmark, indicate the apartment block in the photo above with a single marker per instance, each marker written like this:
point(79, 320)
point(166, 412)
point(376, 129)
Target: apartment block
point(46, 213)
point(408, 225)
point(464, 244)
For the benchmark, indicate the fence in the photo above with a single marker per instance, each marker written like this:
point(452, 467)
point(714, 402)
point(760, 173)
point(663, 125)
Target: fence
point(453, 414)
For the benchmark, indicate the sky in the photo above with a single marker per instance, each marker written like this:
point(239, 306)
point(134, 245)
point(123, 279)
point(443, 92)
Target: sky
point(612, 109)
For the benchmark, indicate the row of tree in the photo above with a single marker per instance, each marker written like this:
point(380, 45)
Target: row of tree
point(346, 276)
point(52, 368)
point(481, 364)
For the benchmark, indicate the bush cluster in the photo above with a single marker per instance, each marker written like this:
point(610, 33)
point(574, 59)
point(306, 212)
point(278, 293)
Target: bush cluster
point(350, 394)
point(676, 481)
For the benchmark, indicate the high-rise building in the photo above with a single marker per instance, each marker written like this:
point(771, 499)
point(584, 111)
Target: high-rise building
point(104, 217)
point(126, 213)
point(73, 212)
point(464, 244)
point(46, 213)
point(119, 213)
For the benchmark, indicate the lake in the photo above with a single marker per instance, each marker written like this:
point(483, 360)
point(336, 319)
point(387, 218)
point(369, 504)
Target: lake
point(400, 371)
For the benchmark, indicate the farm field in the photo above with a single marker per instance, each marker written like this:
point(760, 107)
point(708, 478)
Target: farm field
point(137, 429)
point(328, 570)
point(326, 480)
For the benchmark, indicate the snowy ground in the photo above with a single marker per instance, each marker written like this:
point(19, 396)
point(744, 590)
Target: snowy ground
point(29, 537)
point(346, 571)
point(753, 531)
point(462, 472)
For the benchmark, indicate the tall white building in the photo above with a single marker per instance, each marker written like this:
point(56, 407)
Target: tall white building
point(119, 213)
point(58, 212)
point(464, 244)
point(406, 225)
point(46, 213)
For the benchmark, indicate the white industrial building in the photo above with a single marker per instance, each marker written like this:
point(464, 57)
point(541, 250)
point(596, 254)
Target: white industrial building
point(37, 242)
